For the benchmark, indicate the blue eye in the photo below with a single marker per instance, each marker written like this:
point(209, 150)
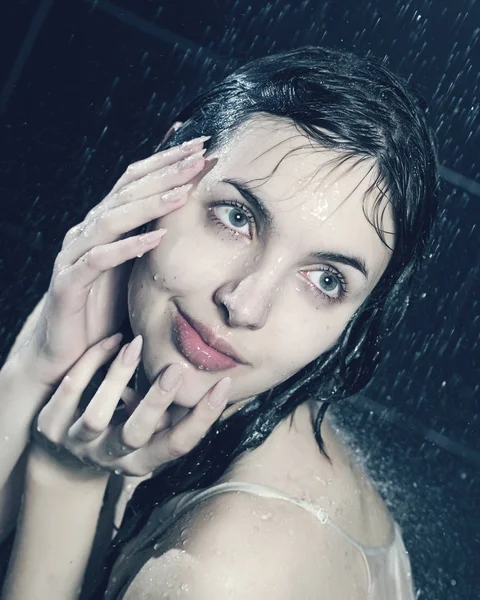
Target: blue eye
point(234, 216)
point(329, 283)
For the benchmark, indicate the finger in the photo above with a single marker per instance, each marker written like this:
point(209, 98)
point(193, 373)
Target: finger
point(143, 422)
point(137, 171)
point(171, 131)
point(70, 286)
point(99, 412)
point(56, 417)
point(102, 225)
point(159, 160)
point(187, 433)
point(131, 399)
point(158, 181)
point(118, 221)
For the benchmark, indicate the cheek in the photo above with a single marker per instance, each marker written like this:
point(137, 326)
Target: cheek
point(299, 341)
point(138, 291)
point(192, 255)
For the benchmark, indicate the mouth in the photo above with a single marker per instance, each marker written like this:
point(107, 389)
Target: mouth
point(201, 346)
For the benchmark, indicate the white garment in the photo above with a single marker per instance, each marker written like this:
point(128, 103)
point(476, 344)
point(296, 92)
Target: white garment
point(388, 567)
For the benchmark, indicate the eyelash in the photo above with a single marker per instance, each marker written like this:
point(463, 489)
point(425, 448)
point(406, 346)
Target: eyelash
point(235, 204)
point(341, 282)
point(251, 219)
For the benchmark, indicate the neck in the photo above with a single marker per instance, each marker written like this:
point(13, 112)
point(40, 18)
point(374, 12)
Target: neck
point(303, 417)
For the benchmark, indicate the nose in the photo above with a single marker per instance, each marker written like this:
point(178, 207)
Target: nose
point(247, 301)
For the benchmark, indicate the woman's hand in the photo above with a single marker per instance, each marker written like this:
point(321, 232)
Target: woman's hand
point(146, 441)
point(86, 299)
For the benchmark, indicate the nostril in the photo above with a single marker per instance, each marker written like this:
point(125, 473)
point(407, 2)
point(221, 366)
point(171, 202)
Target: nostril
point(224, 312)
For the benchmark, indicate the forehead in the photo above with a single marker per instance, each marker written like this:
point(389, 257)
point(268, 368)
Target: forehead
point(316, 199)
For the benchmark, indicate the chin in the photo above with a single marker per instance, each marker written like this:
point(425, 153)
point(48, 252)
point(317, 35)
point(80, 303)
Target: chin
point(194, 386)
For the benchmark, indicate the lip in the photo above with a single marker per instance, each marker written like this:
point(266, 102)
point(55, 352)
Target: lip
point(201, 346)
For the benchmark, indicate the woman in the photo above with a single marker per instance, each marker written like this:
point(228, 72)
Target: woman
point(270, 264)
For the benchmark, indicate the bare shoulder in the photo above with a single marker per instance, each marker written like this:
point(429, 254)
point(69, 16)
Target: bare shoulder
point(236, 545)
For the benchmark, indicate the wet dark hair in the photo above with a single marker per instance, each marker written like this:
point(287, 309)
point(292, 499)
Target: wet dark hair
point(358, 108)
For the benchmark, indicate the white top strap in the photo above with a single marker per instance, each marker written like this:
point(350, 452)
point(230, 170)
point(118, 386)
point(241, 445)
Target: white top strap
point(260, 490)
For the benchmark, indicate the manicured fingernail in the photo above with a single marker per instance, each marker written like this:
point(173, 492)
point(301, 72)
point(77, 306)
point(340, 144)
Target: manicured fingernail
point(132, 352)
point(209, 164)
point(187, 146)
point(151, 236)
point(170, 377)
point(112, 342)
point(219, 393)
point(188, 162)
point(176, 193)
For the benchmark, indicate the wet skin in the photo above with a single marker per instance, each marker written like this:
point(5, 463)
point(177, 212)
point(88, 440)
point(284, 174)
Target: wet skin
point(255, 283)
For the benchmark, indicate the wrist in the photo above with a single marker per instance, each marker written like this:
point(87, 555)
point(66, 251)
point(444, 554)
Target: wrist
point(63, 471)
point(20, 371)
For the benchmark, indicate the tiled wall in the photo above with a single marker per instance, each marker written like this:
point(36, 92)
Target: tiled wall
point(89, 86)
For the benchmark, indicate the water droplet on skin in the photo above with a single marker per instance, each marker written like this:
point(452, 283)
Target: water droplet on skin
point(140, 255)
point(118, 472)
point(85, 233)
point(184, 587)
point(155, 277)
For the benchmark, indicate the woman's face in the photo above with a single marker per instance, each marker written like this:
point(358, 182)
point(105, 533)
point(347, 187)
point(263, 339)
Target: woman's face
point(270, 256)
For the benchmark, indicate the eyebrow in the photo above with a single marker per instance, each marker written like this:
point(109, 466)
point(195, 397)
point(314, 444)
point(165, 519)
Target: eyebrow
point(260, 206)
point(351, 261)
point(254, 200)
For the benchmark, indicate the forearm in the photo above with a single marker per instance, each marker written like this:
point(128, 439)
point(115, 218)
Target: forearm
point(20, 400)
point(26, 331)
point(55, 532)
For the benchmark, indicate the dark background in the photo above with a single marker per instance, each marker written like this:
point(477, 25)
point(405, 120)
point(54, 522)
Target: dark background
point(90, 86)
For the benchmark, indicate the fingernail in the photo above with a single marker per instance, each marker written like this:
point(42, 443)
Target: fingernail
point(219, 393)
point(151, 236)
point(132, 352)
point(209, 164)
point(176, 193)
point(188, 162)
point(170, 377)
point(112, 342)
point(187, 146)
